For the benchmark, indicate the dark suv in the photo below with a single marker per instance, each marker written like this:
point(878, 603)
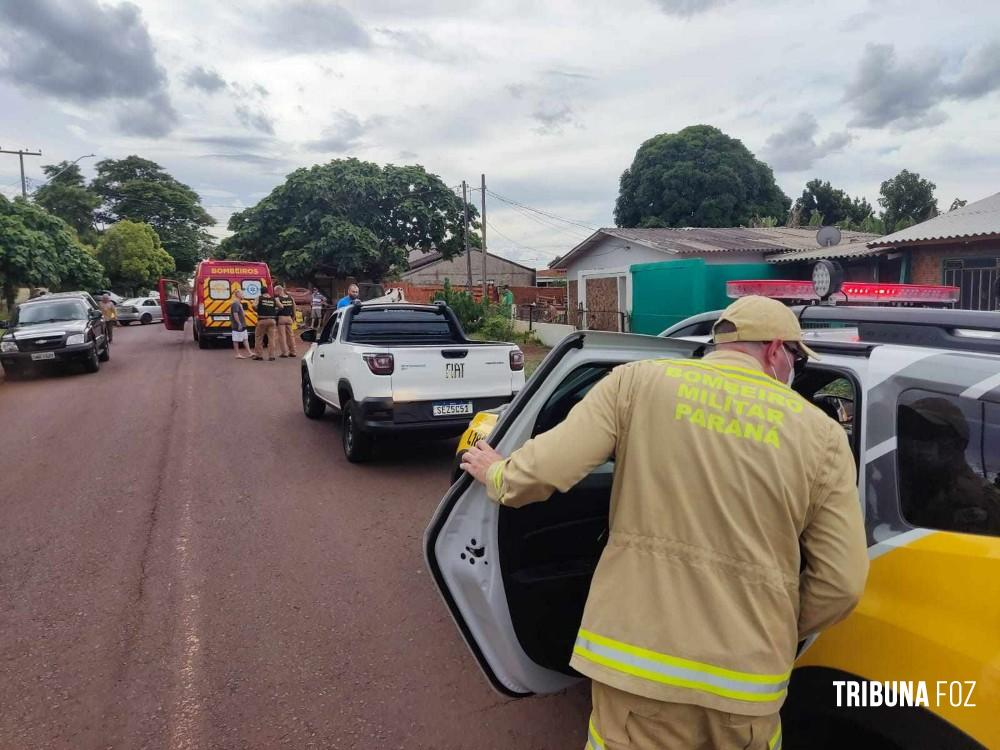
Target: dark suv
point(54, 328)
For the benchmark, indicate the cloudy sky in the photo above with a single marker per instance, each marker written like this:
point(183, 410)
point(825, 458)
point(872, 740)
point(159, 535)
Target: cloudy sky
point(550, 100)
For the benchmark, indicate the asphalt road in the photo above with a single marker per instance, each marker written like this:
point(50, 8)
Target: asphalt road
point(188, 562)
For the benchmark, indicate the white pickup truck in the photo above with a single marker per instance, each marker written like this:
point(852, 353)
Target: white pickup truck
point(402, 367)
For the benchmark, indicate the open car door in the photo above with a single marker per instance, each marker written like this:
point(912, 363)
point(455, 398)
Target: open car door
point(175, 310)
point(516, 580)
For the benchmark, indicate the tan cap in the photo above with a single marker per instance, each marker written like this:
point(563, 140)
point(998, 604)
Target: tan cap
point(761, 319)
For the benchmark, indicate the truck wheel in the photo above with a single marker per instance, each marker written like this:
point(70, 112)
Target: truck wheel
point(13, 372)
point(203, 341)
point(146, 319)
point(357, 444)
point(194, 330)
point(312, 405)
point(93, 362)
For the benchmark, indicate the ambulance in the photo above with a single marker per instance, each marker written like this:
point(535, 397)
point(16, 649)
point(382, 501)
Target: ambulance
point(211, 294)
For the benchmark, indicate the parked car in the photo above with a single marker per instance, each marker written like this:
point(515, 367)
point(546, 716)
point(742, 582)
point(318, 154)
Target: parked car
point(917, 393)
point(54, 329)
point(116, 298)
point(145, 310)
point(391, 367)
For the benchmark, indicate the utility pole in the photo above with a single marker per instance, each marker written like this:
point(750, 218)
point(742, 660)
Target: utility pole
point(465, 234)
point(483, 228)
point(21, 153)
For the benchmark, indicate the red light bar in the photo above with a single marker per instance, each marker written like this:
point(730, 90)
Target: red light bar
point(772, 289)
point(851, 291)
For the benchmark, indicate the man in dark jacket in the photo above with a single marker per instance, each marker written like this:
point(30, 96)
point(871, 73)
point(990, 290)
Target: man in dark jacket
point(286, 316)
point(267, 316)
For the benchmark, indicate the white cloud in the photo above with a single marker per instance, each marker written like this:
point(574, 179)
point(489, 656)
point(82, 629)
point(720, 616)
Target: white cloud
point(550, 100)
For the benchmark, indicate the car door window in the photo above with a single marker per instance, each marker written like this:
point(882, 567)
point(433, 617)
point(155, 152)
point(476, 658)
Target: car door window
point(949, 462)
point(569, 393)
point(330, 330)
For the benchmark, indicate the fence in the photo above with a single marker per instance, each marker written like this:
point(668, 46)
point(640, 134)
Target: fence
point(603, 320)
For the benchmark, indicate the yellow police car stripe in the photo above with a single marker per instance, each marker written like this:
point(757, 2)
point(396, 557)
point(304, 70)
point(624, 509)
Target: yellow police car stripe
point(927, 615)
point(679, 672)
point(594, 740)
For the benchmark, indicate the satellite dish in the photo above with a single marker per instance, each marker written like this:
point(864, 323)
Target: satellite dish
point(828, 236)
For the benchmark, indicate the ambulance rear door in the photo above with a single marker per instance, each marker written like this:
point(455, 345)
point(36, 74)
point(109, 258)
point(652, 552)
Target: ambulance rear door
point(175, 310)
point(516, 580)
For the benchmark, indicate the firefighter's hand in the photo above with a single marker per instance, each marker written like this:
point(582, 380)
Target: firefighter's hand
point(478, 459)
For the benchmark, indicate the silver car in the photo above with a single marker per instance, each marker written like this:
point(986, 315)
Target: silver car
point(142, 309)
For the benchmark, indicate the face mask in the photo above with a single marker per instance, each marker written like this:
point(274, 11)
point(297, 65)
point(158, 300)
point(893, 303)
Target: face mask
point(791, 369)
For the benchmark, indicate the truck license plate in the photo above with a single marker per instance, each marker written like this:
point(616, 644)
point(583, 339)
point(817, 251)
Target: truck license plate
point(451, 408)
point(43, 355)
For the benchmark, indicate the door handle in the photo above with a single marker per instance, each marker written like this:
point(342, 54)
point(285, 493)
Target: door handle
point(322, 355)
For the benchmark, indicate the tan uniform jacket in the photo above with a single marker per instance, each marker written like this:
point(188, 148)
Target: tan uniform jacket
point(725, 480)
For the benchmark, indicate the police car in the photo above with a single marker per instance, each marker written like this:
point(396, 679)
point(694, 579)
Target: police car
point(917, 390)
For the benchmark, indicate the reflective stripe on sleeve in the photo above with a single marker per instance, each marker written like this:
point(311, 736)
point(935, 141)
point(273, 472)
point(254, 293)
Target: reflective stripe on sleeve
point(594, 741)
point(684, 673)
point(494, 478)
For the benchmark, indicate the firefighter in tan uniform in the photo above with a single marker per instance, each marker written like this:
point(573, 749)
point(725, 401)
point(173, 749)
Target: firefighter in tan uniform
point(735, 532)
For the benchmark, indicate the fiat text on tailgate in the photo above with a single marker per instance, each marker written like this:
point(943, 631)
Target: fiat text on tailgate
point(403, 368)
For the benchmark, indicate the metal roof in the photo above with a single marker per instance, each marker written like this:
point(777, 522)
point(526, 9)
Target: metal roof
point(856, 249)
point(978, 219)
point(703, 240)
point(418, 259)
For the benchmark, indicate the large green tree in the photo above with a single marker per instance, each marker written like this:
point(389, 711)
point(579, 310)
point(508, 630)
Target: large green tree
point(132, 255)
point(907, 199)
point(351, 218)
point(141, 190)
point(68, 197)
point(697, 177)
point(39, 249)
point(831, 205)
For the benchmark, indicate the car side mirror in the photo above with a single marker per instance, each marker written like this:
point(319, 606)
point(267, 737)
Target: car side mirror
point(94, 315)
point(308, 335)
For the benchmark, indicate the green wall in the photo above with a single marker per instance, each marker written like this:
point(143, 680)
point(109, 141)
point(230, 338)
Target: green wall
point(665, 293)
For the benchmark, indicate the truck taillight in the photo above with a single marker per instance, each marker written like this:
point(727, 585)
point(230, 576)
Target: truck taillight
point(516, 360)
point(380, 364)
point(201, 308)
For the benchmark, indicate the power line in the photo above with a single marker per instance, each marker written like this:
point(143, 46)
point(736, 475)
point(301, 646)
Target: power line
point(21, 153)
point(549, 224)
point(543, 213)
point(520, 244)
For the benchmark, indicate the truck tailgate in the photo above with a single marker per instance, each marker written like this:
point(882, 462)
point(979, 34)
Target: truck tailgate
point(436, 373)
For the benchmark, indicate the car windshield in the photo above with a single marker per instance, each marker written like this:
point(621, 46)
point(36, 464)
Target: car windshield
point(51, 312)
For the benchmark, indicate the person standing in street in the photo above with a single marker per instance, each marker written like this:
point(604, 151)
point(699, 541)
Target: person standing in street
point(286, 316)
point(318, 300)
point(352, 294)
point(735, 533)
point(267, 314)
point(110, 314)
point(238, 322)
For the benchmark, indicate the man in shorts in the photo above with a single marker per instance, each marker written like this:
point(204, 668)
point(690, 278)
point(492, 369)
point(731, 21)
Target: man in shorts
point(238, 320)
